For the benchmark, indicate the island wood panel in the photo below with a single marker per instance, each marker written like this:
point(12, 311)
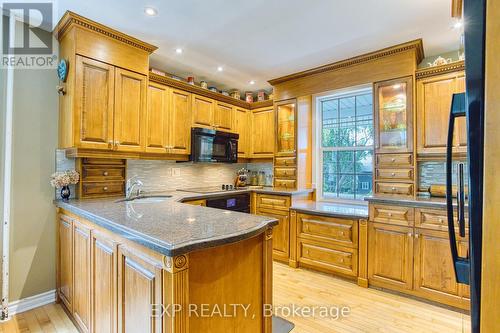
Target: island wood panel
point(223, 116)
point(103, 284)
point(157, 124)
point(203, 111)
point(373, 69)
point(81, 275)
point(242, 126)
point(65, 260)
point(139, 286)
point(263, 131)
point(490, 278)
point(180, 122)
point(130, 110)
point(390, 256)
point(94, 104)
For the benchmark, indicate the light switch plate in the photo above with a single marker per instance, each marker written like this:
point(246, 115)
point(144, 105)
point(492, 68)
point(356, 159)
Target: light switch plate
point(176, 171)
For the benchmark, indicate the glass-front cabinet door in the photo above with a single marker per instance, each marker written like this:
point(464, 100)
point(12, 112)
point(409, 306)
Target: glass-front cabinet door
point(285, 124)
point(393, 115)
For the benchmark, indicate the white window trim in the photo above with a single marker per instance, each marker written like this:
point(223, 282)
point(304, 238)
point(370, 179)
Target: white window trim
point(316, 138)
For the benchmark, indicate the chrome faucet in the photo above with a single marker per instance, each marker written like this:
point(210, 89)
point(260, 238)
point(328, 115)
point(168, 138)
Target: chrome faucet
point(132, 183)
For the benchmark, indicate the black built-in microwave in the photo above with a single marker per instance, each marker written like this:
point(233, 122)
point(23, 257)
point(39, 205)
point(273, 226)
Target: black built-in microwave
point(213, 146)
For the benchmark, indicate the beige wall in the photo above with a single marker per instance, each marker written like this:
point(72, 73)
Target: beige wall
point(32, 257)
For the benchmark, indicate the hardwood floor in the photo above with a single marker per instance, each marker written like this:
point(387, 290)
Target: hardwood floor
point(371, 310)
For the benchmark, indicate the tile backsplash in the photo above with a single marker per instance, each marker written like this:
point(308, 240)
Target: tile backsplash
point(434, 172)
point(169, 175)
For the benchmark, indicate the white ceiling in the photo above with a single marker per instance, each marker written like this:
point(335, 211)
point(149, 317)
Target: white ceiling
point(261, 39)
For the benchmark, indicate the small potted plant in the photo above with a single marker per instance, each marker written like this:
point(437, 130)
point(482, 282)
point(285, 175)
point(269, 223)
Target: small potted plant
point(62, 180)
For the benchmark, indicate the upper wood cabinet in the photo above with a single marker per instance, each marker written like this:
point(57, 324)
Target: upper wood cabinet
point(130, 110)
point(93, 104)
point(180, 122)
point(394, 116)
point(434, 96)
point(263, 131)
point(285, 128)
point(223, 116)
point(242, 126)
point(203, 111)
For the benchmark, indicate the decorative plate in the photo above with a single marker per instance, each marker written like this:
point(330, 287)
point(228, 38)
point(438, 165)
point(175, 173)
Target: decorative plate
point(62, 70)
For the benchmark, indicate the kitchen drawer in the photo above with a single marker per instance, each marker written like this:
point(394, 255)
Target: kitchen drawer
point(103, 161)
point(344, 232)
point(328, 258)
point(285, 161)
point(394, 174)
point(394, 160)
point(435, 219)
point(99, 189)
point(398, 215)
point(94, 173)
point(281, 202)
point(285, 172)
point(285, 183)
point(394, 188)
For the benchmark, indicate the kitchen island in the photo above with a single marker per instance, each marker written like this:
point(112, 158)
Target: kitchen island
point(158, 265)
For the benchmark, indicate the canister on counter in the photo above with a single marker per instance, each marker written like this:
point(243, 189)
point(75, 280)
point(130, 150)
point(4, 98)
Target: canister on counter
point(249, 97)
point(204, 84)
point(190, 80)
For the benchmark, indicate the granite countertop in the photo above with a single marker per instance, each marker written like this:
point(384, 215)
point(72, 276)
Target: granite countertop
point(423, 201)
point(340, 210)
point(170, 227)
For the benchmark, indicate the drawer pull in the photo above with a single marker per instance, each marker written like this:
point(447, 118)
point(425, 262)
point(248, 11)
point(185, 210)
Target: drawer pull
point(341, 233)
point(409, 234)
point(440, 220)
point(105, 173)
point(393, 188)
point(105, 188)
point(390, 214)
point(393, 160)
point(341, 259)
point(393, 174)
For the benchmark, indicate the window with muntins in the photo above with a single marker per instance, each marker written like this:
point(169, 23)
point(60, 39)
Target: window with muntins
point(346, 145)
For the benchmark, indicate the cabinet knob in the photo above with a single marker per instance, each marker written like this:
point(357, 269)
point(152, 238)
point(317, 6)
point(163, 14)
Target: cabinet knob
point(440, 220)
point(110, 144)
point(390, 214)
point(105, 188)
point(409, 234)
point(393, 160)
point(393, 188)
point(105, 173)
point(117, 143)
point(393, 174)
point(416, 235)
point(341, 259)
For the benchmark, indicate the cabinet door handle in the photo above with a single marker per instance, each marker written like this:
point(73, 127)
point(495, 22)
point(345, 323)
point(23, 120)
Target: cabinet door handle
point(105, 188)
point(105, 173)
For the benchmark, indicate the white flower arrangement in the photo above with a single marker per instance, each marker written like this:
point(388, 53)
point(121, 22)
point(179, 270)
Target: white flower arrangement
point(64, 178)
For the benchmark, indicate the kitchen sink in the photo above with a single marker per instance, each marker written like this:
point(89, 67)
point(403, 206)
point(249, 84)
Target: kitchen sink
point(146, 199)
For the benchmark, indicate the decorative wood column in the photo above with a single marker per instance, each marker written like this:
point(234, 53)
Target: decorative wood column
point(267, 288)
point(176, 294)
point(292, 262)
point(363, 253)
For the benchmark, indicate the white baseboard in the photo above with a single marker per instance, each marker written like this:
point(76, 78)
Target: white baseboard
point(32, 302)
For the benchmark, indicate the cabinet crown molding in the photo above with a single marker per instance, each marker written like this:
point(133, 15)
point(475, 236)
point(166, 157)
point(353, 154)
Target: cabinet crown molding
point(438, 70)
point(416, 45)
point(71, 19)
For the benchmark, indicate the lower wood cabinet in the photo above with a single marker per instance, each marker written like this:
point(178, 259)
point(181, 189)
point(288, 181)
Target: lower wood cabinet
point(81, 259)
point(139, 287)
point(103, 283)
point(390, 256)
point(281, 232)
point(65, 260)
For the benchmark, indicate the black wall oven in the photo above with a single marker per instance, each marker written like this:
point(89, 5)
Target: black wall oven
point(213, 146)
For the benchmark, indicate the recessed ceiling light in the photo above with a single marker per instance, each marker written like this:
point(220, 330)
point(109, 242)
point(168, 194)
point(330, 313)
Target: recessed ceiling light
point(178, 50)
point(220, 69)
point(252, 82)
point(458, 24)
point(150, 11)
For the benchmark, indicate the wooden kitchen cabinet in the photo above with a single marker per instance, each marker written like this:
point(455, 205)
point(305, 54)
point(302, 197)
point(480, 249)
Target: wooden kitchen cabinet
point(180, 122)
point(203, 111)
point(242, 126)
point(157, 124)
point(93, 104)
point(223, 117)
point(434, 276)
point(281, 232)
point(263, 133)
point(390, 256)
point(130, 110)
point(65, 260)
point(103, 283)
point(139, 286)
point(81, 269)
point(434, 96)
